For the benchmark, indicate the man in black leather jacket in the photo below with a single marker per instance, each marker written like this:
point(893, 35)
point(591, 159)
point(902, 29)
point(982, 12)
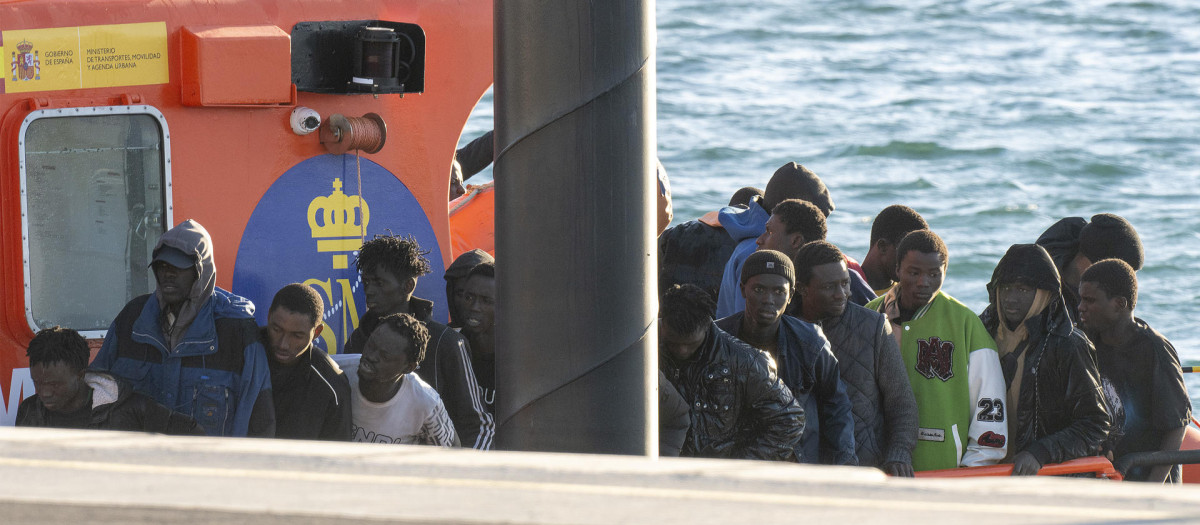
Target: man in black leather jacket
point(739, 407)
point(1055, 406)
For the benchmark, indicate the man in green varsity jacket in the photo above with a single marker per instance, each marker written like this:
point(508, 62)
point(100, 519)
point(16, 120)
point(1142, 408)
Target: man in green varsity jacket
point(951, 361)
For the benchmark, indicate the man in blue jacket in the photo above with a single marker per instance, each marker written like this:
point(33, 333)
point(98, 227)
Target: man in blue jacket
point(747, 225)
point(806, 362)
point(191, 346)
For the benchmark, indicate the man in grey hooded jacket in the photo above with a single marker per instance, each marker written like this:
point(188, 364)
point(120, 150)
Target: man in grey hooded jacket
point(192, 346)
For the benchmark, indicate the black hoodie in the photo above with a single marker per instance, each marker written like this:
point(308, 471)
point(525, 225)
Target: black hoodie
point(1061, 414)
point(459, 270)
point(1061, 241)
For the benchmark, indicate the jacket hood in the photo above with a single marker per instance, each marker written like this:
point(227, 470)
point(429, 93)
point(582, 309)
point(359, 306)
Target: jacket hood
point(191, 238)
point(106, 388)
point(461, 266)
point(465, 262)
point(1061, 240)
point(744, 223)
point(1028, 264)
point(227, 305)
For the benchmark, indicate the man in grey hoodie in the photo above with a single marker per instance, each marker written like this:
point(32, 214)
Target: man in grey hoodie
point(192, 346)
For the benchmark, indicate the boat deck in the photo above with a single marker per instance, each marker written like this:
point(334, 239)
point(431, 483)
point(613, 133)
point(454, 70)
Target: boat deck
point(57, 476)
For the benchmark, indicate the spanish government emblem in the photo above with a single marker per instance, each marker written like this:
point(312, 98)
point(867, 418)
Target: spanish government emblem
point(25, 63)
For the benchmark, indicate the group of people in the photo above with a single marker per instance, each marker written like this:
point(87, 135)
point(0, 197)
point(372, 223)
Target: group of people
point(190, 358)
point(779, 346)
point(773, 344)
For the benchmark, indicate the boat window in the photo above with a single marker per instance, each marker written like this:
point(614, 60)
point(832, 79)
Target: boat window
point(95, 188)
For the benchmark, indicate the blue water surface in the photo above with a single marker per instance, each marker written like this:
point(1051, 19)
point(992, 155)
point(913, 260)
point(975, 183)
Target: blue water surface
point(993, 119)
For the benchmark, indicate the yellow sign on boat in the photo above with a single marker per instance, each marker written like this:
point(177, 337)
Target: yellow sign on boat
point(85, 57)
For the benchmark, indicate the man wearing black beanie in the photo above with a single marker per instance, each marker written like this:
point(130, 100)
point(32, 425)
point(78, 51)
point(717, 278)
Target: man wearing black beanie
point(806, 362)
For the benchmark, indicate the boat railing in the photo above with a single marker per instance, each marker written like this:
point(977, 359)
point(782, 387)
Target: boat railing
point(1096, 465)
point(1156, 458)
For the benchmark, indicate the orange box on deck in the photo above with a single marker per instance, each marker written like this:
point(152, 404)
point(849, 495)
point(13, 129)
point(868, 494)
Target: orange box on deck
point(236, 66)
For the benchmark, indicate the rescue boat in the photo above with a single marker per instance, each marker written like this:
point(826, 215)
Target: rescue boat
point(291, 129)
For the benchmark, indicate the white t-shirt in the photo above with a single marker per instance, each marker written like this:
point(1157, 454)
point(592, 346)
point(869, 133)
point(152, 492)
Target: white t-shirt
point(414, 416)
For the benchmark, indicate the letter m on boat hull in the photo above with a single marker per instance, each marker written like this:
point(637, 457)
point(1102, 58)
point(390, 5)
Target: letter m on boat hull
point(935, 358)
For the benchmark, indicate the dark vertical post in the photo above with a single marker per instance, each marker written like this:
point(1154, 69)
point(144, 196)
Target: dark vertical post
point(575, 136)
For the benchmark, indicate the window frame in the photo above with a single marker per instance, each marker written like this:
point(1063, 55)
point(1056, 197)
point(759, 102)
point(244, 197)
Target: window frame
point(168, 201)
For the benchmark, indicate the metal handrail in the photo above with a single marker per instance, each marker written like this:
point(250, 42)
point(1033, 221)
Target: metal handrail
point(1156, 458)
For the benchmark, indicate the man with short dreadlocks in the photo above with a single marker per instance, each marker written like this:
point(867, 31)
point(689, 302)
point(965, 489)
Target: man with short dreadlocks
point(390, 266)
point(389, 403)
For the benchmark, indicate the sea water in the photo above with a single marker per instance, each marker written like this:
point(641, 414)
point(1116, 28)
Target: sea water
point(993, 119)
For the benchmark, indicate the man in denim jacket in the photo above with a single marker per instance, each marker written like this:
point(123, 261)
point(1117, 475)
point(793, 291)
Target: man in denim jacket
point(191, 346)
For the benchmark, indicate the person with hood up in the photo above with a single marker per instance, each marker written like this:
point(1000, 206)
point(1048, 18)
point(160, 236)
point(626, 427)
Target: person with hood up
point(192, 346)
point(70, 396)
point(456, 282)
point(1075, 244)
point(479, 327)
point(1055, 405)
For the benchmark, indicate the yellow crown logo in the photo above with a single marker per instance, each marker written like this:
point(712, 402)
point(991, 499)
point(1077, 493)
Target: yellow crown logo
point(338, 221)
point(24, 46)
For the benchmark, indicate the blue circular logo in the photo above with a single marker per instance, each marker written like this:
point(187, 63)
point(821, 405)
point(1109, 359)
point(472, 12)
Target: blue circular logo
point(308, 228)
